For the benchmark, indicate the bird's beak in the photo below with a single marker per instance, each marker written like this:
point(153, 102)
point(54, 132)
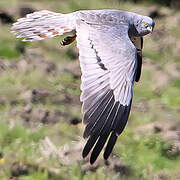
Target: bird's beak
point(150, 29)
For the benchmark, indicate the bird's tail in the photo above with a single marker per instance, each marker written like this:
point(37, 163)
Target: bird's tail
point(44, 24)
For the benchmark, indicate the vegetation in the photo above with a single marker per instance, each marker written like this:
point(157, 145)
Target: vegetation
point(40, 111)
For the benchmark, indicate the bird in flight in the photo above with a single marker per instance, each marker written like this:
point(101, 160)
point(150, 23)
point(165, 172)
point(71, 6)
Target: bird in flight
point(110, 53)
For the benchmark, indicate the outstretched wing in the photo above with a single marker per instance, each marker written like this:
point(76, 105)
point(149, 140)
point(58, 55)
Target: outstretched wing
point(108, 61)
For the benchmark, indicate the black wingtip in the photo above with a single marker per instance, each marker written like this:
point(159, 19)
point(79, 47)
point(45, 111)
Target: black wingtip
point(84, 154)
point(89, 145)
point(92, 160)
point(110, 145)
point(98, 147)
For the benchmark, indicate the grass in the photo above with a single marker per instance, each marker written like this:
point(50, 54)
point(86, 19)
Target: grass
point(143, 154)
point(171, 96)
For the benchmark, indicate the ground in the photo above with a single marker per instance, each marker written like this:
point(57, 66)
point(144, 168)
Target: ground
point(40, 112)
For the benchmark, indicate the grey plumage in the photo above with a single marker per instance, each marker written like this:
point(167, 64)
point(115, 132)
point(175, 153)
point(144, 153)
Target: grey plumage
point(110, 54)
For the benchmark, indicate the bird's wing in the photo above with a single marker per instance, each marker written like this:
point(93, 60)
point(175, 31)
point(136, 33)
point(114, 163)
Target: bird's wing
point(138, 43)
point(108, 61)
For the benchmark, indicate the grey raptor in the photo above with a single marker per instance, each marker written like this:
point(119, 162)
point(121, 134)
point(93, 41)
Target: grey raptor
point(110, 53)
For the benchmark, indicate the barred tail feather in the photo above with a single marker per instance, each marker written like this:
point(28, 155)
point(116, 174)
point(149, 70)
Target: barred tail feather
point(44, 24)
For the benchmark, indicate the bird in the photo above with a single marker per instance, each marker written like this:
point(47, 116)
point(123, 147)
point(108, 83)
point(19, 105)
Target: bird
point(110, 46)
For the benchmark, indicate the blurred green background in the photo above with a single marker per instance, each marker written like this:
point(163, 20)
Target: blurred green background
point(40, 111)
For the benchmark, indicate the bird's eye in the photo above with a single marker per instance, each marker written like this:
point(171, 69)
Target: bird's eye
point(144, 24)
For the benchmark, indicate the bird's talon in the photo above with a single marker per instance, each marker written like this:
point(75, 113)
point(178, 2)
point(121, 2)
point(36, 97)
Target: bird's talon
point(68, 40)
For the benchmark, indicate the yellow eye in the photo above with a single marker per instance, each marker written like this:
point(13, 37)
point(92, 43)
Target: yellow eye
point(144, 24)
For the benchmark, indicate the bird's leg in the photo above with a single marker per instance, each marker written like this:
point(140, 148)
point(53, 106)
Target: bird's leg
point(68, 40)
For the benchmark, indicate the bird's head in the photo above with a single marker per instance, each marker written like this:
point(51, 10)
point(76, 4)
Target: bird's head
point(143, 25)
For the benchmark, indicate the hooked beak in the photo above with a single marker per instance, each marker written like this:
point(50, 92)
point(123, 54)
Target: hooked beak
point(150, 29)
